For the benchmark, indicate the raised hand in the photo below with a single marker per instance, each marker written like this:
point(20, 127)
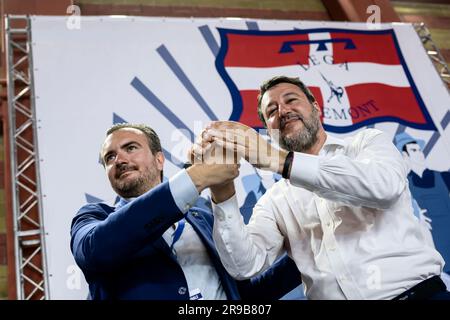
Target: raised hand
point(239, 140)
point(211, 169)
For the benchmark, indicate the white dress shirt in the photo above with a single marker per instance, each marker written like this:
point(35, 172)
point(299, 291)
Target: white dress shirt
point(346, 219)
point(199, 271)
point(201, 275)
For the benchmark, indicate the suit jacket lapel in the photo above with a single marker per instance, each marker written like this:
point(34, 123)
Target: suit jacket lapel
point(204, 231)
point(161, 245)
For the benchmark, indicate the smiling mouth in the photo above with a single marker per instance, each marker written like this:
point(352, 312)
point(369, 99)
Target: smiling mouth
point(289, 120)
point(121, 175)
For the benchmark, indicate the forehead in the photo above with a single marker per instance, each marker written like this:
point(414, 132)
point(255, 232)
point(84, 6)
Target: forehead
point(123, 135)
point(280, 90)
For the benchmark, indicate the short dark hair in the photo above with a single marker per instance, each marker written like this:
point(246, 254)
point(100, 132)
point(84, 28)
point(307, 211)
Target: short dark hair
point(268, 84)
point(153, 140)
point(406, 149)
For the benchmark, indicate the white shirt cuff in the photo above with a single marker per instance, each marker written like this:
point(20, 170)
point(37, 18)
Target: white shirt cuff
point(183, 190)
point(304, 170)
point(227, 211)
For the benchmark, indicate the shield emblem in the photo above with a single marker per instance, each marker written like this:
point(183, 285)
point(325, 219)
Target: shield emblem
point(359, 77)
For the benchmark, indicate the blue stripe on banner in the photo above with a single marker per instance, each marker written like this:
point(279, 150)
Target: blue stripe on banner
point(177, 162)
point(252, 25)
point(175, 67)
point(371, 126)
point(401, 128)
point(445, 120)
point(436, 135)
point(161, 107)
point(209, 38)
point(118, 119)
point(434, 138)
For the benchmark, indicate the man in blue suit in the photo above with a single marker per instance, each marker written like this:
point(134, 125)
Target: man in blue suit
point(154, 244)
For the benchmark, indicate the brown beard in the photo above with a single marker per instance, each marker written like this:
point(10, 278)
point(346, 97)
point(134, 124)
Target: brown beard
point(304, 139)
point(138, 186)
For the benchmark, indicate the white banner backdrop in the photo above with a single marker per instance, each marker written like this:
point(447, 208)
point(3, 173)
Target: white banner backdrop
point(177, 74)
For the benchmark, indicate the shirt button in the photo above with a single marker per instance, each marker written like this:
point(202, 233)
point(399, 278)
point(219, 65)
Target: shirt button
point(194, 213)
point(220, 215)
point(182, 290)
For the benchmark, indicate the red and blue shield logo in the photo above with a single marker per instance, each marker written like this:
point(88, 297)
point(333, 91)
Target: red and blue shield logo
point(359, 77)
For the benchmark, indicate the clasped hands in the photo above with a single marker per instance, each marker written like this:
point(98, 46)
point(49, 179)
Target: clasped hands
point(217, 151)
point(226, 142)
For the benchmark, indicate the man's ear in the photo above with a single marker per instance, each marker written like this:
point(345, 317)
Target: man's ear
point(405, 155)
point(160, 160)
point(316, 106)
point(407, 160)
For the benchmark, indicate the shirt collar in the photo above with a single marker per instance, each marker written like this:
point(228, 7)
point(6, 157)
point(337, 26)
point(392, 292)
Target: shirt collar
point(123, 201)
point(334, 141)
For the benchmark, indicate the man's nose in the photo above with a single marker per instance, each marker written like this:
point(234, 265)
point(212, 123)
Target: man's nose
point(121, 158)
point(283, 109)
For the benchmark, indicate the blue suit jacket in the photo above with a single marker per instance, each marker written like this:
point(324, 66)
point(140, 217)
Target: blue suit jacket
point(123, 255)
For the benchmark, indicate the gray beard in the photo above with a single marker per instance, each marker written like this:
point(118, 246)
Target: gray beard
point(304, 139)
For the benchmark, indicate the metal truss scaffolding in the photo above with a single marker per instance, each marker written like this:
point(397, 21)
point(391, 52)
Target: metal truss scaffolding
point(30, 263)
point(433, 52)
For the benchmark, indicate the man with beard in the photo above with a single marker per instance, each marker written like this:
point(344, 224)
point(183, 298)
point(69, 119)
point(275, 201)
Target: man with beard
point(152, 244)
point(343, 210)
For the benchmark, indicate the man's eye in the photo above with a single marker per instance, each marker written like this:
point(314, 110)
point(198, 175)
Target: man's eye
point(108, 158)
point(131, 148)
